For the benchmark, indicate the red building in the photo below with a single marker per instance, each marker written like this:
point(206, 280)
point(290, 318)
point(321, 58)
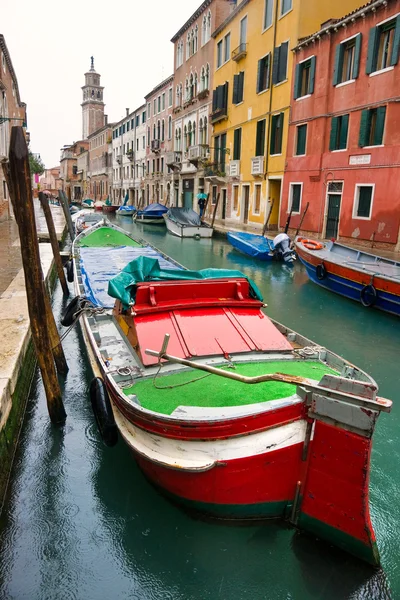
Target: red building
point(343, 153)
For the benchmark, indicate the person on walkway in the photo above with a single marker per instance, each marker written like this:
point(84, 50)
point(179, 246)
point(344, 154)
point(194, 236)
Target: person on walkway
point(201, 202)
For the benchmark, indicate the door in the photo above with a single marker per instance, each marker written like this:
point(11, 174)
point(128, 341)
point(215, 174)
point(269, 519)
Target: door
point(246, 200)
point(332, 220)
point(188, 188)
point(274, 195)
point(223, 204)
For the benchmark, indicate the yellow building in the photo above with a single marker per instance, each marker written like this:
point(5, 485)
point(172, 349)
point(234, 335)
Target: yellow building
point(251, 103)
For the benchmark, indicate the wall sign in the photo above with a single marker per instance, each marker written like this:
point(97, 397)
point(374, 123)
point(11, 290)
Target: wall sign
point(360, 159)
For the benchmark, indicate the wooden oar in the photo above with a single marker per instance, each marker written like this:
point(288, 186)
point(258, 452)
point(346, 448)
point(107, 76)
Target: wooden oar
point(301, 220)
point(268, 218)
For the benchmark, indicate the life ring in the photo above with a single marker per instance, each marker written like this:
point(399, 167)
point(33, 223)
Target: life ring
point(70, 312)
point(312, 244)
point(102, 411)
point(368, 295)
point(321, 271)
point(69, 267)
point(197, 236)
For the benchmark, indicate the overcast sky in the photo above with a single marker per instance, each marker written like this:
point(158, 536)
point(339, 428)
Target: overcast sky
point(51, 43)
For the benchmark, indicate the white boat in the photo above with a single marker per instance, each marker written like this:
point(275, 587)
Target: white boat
point(185, 223)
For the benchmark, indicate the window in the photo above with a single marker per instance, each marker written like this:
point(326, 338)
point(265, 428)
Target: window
point(383, 46)
point(214, 195)
point(339, 130)
point(163, 131)
point(238, 88)
point(137, 120)
point(257, 198)
point(235, 197)
point(304, 78)
point(149, 110)
point(143, 117)
point(268, 13)
point(347, 60)
point(363, 201)
point(264, 66)
point(276, 134)
point(219, 53)
point(301, 139)
point(219, 151)
point(279, 70)
point(227, 47)
point(237, 143)
point(372, 126)
point(163, 101)
point(260, 138)
point(127, 125)
point(220, 101)
point(169, 127)
point(243, 31)
point(159, 104)
point(286, 5)
point(170, 97)
point(295, 197)
point(154, 106)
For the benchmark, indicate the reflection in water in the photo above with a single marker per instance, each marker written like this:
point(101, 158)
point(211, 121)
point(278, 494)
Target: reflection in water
point(82, 522)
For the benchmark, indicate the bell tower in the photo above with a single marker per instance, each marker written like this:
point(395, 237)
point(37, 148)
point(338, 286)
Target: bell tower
point(92, 104)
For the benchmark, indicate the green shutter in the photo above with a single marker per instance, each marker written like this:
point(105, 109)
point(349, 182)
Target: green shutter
point(273, 133)
point(364, 128)
point(237, 139)
point(301, 140)
point(268, 69)
point(259, 71)
point(283, 61)
point(379, 126)
point(344, 127)
point(241, 86)
point(313, 62)
point(214, 100)
point(372, 50)
point(297, 81)
point(364, 201)
point(357, 54)
point(260, 138)
point(278, 149)
point(334, 132)
point(396, 43)
point(235, 89)
point(337, 69)
point(275, 68)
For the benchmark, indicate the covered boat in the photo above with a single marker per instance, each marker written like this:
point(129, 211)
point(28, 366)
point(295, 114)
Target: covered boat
point(369, 279)
point(185, 222)
point(126, 211)
point(225, 410)
point(86, 218)
point(261, 247)
point(153, 213)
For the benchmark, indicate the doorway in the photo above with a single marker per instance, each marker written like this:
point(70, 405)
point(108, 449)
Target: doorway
point(274, 195)
point(245, 203)
point(334, 200)
point(223, 215)
point(188, 189)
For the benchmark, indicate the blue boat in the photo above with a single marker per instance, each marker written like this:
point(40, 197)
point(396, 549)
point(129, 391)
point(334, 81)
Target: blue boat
point(151, 214)
point(126, 211)
point(251, 244)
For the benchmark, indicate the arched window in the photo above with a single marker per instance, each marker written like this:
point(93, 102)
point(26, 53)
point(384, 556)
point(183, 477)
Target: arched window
point(191, 87)
point(189, 135)
point(202, 79)
point(195, 85)
point(205, 138)
point(201, 131)
point(194, 134)
point(177, 103)
point(208, 26)
point(207, 79)
point(163, 131)
point(195, 41)
point(169, 127)
point(186, 90)
point(179, 139)
point(204, 30)
point(187, 46)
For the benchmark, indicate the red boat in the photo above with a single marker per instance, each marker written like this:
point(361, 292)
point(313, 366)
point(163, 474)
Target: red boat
point(226, 411)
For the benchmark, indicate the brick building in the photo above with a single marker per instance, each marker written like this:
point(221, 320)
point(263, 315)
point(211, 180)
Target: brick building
point(193, 74)
point(12, 112)
point(344, 135)
point(71, 180)
point(100, 163)
point(50, 180)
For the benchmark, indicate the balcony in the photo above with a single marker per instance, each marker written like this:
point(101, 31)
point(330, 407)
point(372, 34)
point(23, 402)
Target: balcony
point(234, 168)
point(239, 52)
point(215, 173)
point(219, 115)
point(130, 154)
point(173, 159)
point(119, 159)
point(257, 166)
point(197, 153)
point(203, 94)
point(155, 145)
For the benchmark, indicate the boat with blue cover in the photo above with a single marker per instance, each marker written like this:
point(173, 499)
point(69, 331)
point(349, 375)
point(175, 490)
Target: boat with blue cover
point(225, 410)
point(262, 248)
point(126, 211)
point(372, 280)
point(153, 213)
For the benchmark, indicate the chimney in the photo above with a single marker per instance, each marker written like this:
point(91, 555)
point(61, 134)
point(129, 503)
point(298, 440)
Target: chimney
point(105, 119)
point(127, 111)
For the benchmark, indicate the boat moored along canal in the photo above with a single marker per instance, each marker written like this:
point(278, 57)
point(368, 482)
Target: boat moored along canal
point(225, 410)
point(366, 278)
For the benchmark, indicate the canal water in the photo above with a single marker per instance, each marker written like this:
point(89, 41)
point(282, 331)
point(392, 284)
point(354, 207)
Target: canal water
point(81, 522)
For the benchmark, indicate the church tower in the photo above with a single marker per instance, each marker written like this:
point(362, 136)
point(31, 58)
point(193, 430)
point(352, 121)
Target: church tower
point(92, 105)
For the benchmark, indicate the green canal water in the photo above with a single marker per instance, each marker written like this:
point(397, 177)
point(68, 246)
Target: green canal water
point(81, 522)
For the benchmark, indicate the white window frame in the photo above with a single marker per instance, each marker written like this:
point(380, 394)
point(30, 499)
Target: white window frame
point(264, 14)
point(282, 14)
point(291, 184)
point(297, 137)
point(357, 198)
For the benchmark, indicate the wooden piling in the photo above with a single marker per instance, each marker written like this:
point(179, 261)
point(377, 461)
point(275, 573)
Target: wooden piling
point(22, 202)
point(44, 201)
point(67, 213)
point(215, 209)
point(268, 217)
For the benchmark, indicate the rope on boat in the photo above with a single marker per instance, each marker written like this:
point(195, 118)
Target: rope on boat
point(83, 306)
point(171, 387)
point(309, 351)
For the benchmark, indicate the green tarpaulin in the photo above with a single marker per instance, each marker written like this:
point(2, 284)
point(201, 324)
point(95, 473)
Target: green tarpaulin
point(144, 268)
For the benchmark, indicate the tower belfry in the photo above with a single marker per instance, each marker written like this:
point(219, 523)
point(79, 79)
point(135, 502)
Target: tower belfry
point(92, 103)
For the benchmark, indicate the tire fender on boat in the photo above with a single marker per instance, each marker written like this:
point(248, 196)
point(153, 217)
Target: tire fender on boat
point(69, 267)
point(103, 413)
point(69, 315)
point(197, 236)
point(368, 295)
point(321, 271)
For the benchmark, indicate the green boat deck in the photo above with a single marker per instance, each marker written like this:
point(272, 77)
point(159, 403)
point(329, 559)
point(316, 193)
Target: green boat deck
point(211, 391)
point(106, 236)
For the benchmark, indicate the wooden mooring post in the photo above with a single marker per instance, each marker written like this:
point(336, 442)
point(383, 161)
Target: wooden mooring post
point(67, 213)
point(18, 173)
point(215, 209)
point(44, 201)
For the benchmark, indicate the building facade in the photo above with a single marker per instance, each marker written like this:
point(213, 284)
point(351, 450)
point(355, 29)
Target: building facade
point(100, 163)
point(193, 71)
point(344, 136)
point(12, 112)
point(251, 103)
point(92, 103)
point(50, 180)
point(159, 178)
point(71, 180)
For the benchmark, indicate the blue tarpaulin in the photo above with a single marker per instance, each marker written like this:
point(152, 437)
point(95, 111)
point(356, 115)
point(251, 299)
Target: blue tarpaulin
point(251, 244)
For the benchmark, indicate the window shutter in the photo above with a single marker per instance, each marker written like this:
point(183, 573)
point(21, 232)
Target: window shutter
point(259, 72)
point(297, 82)
point(273, 133)
point(301, 140)
point(225, 95)
point(334, 131)
point(372, 47)
point(283, 56)
point(260, 138)
point(237, 139)
point(343, 132)
point(268, 69)
point(337, 69)
point(380, 125)
point(220, 97)
point(235, 89)
point(278, 149)
point(241, 86)
point(364, 129)
point(396, 43)
point(214, 100)
point(357, 54)
point(312, 75)
point(275, 67)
